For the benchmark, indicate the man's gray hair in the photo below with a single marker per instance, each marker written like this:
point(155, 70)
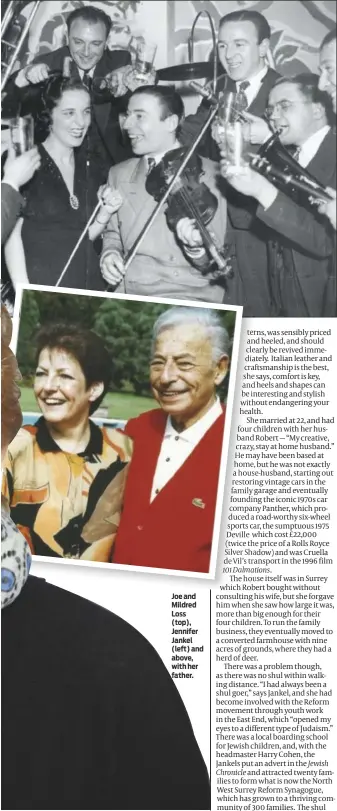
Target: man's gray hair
point(208, 319)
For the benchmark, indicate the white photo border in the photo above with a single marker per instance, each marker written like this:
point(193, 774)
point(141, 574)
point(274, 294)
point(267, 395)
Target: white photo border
point(210, 575)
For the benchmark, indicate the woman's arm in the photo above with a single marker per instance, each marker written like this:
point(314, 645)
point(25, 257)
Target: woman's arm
point(111, 202)
point(15, 256)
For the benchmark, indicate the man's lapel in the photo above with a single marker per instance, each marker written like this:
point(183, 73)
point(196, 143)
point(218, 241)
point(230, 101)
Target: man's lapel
point(74, 71)
point(141, 203)
point(323, 164)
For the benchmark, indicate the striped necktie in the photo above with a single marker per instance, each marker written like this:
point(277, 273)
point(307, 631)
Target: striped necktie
point(87, 81)
point(150, 165)
point(241, 93)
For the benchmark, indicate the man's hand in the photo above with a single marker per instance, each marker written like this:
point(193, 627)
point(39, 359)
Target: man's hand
point(112, 268)
point(32, 74)
point(255, 130)
point(188, 234)
point(218, 131)
point(134, 78)
point(121, 80)
point(18, 171)
point(329, 208)
point(248, 182)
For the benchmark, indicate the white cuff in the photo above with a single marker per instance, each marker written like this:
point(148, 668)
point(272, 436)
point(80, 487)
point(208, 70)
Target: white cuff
point(268, 197)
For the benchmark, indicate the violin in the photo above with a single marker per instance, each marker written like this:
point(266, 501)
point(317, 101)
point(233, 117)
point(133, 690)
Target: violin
point(190, 197)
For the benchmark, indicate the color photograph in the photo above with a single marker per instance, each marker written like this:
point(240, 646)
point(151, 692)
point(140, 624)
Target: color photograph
point(126, 405)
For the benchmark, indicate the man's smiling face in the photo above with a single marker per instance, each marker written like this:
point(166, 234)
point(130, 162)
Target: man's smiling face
point(183, 374)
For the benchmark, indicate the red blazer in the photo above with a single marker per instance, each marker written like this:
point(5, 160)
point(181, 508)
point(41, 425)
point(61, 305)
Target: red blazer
point(175, 531)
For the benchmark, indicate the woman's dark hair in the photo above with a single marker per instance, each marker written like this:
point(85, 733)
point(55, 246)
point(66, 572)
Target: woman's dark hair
point(51, 93)
point(169, 100)
point(259, 21)
point(90, 14)
point(85, 346)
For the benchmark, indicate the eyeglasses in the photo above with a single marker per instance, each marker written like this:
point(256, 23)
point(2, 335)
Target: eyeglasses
point(284, 106)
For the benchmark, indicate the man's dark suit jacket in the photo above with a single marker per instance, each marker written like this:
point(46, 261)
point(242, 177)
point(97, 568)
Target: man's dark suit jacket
point(11, 202)
point(250, 285)
point(105, 126)
point(306, 285)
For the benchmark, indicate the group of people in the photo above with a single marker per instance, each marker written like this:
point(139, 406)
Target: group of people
point(282, 247)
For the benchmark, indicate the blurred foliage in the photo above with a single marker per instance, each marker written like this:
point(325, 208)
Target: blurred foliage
point(125, 326)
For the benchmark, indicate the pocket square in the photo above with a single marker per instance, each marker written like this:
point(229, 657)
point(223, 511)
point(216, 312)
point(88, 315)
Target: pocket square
point(198, 502)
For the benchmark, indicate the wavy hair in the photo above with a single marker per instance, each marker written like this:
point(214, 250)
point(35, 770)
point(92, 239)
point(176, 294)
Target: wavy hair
point(50, 94)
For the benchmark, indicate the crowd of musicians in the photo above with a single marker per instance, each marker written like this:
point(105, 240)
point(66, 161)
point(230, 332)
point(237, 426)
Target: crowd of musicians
point(102, 130)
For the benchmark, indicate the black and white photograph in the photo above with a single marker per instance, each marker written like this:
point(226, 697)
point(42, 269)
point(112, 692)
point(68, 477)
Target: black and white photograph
point(176, 149)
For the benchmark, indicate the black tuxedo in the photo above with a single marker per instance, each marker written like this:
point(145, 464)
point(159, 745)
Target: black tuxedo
point(303, 278)
point(104, 136)
point(250, 285)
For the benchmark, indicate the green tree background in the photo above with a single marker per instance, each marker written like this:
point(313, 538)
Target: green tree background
point(125, 326)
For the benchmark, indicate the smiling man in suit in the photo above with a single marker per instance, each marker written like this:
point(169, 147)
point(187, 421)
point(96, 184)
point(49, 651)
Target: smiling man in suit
point(164, 265)
point(243, 43)
point(88, 59)
point(300, 240)
point(171, 490)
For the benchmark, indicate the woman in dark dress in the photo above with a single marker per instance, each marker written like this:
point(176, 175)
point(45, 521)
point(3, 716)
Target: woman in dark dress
point(61, 197)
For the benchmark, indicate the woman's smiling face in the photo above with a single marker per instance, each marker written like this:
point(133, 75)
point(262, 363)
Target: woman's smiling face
point(61, 389)
point(71, 117)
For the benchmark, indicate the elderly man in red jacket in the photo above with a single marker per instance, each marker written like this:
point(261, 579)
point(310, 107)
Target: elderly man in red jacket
point(171, 489)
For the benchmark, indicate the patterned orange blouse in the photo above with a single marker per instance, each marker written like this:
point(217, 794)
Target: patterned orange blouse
point(67, 504)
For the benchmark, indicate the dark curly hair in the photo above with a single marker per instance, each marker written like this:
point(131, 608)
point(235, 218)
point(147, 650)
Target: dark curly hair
point(50, 94)
point(90, 14)
point(85, 346)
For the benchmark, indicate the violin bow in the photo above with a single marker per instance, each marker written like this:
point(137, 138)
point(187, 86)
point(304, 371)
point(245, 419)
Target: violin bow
point(90, 220)
point(131, 254)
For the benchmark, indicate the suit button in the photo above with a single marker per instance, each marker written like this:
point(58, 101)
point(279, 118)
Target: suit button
point(175, 273)
point(172, 258)
point(139, 527)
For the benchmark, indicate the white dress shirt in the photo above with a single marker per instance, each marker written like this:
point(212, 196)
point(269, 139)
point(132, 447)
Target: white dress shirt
point(308, 150)
point(176, 448)
point(87, 72)
point(255, 83)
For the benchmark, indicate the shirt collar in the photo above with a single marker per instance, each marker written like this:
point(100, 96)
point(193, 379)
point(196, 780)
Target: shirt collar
point(160, 155)
point(86, 72)
point(47, 444)
point(254, 81)
point(195, 433)
point(311, 145)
